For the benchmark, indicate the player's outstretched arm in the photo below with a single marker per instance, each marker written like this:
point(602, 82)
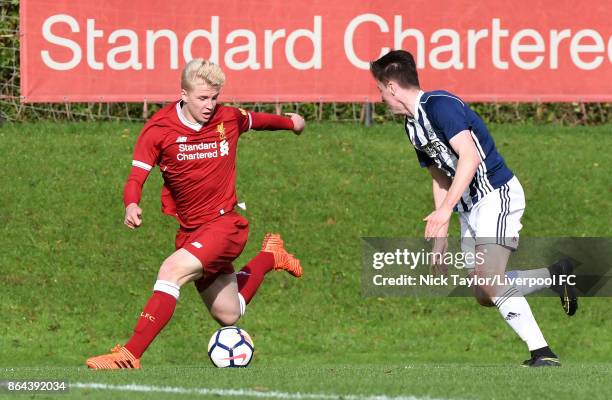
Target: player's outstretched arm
point(272, 122)
point(298, 122)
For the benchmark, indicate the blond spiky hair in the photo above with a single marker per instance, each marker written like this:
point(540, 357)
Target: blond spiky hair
point(200, 70)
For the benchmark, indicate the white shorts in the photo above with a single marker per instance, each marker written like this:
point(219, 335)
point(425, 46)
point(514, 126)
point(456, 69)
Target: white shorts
point(495, 219)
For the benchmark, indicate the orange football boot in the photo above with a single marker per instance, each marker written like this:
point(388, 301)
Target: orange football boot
point(273, 243)
point(119, 358)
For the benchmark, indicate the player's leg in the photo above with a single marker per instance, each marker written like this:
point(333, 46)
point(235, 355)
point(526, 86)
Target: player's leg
point(476, 225)
point(181, 267)
point(508, 220)
point(224, 293)
point(217, 247)
point(497, 221)
point(252, 275)
point(219, 291)
point(525, 275)
point(560, 270)
point(511, 304)
point(216, 286)
point(468, 247)
point(272, 256)
point(510, 211)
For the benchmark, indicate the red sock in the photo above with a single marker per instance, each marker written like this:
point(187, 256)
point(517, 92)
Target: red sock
point(252, 275)
point(153, 318)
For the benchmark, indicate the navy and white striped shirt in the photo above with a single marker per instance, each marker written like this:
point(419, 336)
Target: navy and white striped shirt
point(440, 115)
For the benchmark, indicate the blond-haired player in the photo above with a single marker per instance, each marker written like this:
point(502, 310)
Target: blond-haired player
point(194, 141)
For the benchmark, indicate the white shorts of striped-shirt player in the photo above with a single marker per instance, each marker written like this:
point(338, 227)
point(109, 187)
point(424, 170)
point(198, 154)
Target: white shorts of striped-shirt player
point(495, 219)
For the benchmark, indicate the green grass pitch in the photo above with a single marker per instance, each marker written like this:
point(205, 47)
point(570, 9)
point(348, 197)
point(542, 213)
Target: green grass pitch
point(73, 279)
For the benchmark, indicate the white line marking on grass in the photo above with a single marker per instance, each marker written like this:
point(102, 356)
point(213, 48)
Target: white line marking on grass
point(239, 392)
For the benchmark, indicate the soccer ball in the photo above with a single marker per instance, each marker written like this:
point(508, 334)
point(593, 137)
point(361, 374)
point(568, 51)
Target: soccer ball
point(230, 347)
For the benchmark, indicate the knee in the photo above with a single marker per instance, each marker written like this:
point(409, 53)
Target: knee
point(227, 318)
point(169, 271)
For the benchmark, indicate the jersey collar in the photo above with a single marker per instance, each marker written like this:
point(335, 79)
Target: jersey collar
point(417, 101)
point(179, 112)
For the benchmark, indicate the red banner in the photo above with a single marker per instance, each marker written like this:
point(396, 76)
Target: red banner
point(278, 51)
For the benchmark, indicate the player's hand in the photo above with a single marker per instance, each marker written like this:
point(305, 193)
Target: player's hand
point(298, 122)
point(133, 216)
point(439, 248)
point(436, 221)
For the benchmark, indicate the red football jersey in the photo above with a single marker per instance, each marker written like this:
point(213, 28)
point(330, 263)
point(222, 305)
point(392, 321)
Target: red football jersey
point(197, 162)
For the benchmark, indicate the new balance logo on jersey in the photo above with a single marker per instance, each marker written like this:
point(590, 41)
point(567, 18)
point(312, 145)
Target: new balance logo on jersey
point(181, 139)
point(512, 315)
point(197, 245)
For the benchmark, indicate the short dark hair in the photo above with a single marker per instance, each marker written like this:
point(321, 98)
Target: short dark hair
point(397, 65)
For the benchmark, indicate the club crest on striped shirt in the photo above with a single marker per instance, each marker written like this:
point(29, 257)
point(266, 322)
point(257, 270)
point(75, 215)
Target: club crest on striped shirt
point(435, 147)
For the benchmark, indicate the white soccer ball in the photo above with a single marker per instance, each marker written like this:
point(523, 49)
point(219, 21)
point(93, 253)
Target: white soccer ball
point(230, 347)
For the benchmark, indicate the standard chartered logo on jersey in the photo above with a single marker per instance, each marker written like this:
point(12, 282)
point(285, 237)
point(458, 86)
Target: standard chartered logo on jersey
point(202, 151)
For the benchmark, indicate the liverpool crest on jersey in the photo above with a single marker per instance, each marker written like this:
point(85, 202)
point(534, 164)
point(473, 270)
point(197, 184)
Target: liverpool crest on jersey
point(221, 131)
